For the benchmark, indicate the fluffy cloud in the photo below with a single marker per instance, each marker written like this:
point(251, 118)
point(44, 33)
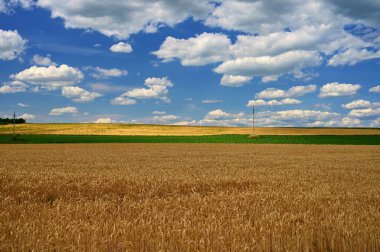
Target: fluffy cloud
point(292, 92)
point(335, 89)
point(7, 6)
point(164, 118)
point(375, 89)
point(271, 29)
point(351, 122)
point(22, 105)
point(103, 120)
point(234, 80)
point(260, 102)
point(158, 112)
point(27, 117)
point(221, 118)
point(294, 117)
point(157, 89)
point(357, 104)
point(268, 16)
point(50, 77)
point(264, 56)
point(282, 39)
point(13, 87)
point(266, 118)
point(11, 45)
point(288, 62)
point(78, 94)
point(43, 61)
point(305, 118)
point(287, 118)
point(201, 50)
point(337, 122)
point(121, 47)
point(352, 56)
point(367, 113)
point(220, 114)
point(64, 110)
point(305, 38)
point(122, 100)
point(122, 18)
point(103, 73)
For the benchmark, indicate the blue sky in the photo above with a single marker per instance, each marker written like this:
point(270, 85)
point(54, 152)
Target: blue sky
point(309, 63)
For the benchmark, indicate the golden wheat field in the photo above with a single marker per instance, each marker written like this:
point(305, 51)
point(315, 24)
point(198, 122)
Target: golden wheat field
point(173, 130)
point(189, 197)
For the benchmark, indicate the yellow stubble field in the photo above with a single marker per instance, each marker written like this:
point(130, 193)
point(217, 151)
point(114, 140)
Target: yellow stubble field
point(173, 130)
point(189, 197)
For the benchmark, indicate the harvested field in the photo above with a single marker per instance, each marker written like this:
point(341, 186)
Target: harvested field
point(170, 130)
point(186, 197)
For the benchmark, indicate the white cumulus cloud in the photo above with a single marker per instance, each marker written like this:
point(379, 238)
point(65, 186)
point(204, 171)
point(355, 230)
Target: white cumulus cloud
point(103, 73)
point(78, 94)
point(157, 88)
point(298, 116)
point(201, 50)
point(375, 89)
point(234, 80)
point(50, 77)
point(220, 114)
point(286, 101)
point(7, 6)
point(352, 56)
point(305, 38)
point(268, 16)
point(121, 47)
point(122, 18)
point(164, 118)
point(13, 87)
point(279, 40)
point(288, 62)
point(365, 113)
point(27, 117)
point(43, 60)
point(357, 104)
point(11, 45)
point(64, 110)
point(292, 92)
point(335, 89)
point(122, 100)
point(103, 120)
point(158, 112)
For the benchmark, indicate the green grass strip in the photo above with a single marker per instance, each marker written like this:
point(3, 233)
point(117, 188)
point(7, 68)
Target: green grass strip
point(268, 139)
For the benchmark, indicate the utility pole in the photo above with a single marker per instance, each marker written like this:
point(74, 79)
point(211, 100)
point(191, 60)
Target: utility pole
point(14, 125)
point(253, 121)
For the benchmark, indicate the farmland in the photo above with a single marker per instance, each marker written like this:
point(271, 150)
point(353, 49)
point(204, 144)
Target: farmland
point(171, 130)
point(186, 197)
point(232, 139)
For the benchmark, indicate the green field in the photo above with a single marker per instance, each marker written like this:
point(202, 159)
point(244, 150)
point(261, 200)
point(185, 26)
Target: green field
point(266, 139)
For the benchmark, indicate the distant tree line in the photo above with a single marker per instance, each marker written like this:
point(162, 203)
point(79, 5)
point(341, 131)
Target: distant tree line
point(10, 120)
